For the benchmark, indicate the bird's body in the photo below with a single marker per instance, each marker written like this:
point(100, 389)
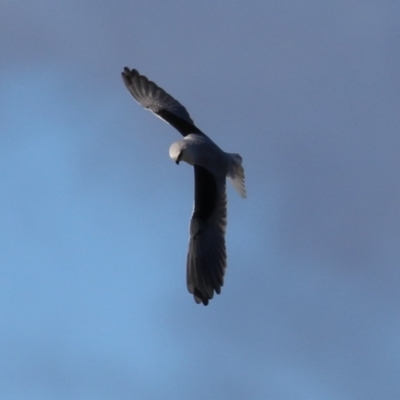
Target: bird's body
point(206, 260)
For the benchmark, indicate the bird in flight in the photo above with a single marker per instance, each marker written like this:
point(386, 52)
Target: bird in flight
point(206, 259)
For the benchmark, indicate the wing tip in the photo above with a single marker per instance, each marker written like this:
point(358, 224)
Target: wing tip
point(204, 298)
point(128, 75)
point(200, 298)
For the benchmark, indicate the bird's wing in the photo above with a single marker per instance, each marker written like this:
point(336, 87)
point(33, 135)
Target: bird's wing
point(157, 100)
point(206, 260)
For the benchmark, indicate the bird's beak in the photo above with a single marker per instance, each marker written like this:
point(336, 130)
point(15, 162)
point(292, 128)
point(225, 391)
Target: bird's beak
point(178, 159)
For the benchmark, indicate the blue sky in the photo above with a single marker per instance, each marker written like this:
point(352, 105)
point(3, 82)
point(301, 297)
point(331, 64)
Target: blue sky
point(94, 221)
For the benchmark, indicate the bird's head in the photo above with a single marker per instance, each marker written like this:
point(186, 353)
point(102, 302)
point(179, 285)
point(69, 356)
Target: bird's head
point(176, 151)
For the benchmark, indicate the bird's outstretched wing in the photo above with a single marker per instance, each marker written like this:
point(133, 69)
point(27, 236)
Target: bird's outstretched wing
point(157, 100)
point(206, 260)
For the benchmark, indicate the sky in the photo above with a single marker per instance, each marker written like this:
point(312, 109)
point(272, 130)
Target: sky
point(94, 214)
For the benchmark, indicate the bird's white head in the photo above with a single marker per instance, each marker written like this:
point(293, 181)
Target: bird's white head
point(176, 150)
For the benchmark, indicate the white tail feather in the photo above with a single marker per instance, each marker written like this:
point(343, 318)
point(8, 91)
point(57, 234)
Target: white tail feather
point(236, 174)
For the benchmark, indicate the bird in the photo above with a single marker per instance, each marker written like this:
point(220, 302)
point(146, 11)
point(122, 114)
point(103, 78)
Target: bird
point(206, 259)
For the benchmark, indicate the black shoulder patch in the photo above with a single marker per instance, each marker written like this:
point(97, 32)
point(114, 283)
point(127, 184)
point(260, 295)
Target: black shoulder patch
point(183, 126)
point(205, 193)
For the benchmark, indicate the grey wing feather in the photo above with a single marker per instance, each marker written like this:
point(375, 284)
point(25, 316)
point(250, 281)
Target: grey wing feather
point(157, 100)
point(206, 261)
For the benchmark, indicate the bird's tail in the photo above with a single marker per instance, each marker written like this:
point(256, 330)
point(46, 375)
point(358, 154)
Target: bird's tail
point(236, 173)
